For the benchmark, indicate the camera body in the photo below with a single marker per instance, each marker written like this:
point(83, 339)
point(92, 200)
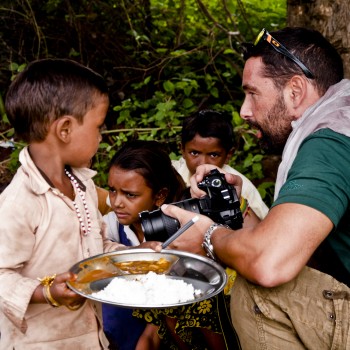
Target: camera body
point(221, 204)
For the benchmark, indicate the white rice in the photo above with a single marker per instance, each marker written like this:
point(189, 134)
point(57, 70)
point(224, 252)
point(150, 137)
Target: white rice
point(149, 289)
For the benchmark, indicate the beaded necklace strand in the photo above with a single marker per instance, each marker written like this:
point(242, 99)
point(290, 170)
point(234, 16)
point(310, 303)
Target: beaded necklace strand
point(81, 194)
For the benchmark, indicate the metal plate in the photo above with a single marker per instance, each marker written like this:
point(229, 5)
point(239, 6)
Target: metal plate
point(95, 273)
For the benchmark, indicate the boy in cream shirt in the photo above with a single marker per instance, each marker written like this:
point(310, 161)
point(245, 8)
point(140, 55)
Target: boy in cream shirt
point(207, 138)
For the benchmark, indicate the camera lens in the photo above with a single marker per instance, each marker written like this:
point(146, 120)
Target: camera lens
point(157, 226)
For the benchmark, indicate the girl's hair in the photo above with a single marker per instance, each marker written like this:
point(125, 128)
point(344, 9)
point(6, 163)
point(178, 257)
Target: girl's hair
point(47, 90)
point(149, 159)
point(208, 123)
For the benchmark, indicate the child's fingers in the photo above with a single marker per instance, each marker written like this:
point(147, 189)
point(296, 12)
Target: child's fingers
point(64, 277)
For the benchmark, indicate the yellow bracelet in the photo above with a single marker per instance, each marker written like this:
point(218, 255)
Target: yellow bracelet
point(46, 282)
point(74, 307)
point(244, 207)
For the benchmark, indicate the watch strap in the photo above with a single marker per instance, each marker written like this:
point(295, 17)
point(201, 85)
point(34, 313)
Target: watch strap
point(207, 245)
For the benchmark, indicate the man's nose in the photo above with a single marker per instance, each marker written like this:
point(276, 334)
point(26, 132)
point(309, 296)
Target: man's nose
point(246, 112)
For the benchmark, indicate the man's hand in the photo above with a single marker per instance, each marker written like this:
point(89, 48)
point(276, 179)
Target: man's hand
point(192, 239)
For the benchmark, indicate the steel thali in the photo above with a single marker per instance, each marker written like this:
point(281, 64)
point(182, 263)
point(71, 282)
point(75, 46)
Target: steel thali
point(95, 273)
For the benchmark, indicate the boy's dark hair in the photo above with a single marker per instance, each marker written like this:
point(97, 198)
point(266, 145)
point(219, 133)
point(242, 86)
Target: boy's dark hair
point(48, 89)
point(312, 49)
point(208, 123)
point(149, 159)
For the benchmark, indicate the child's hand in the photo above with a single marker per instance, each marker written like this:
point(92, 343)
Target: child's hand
point(157, 246)
point(63, 294)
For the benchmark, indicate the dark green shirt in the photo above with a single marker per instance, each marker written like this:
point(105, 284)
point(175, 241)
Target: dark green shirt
point(320, 178)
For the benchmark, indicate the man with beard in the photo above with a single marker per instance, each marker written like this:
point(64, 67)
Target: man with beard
point(294, 266)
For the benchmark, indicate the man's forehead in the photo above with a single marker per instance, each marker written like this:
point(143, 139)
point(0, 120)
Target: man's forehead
point(253, 78)
point(253, 67)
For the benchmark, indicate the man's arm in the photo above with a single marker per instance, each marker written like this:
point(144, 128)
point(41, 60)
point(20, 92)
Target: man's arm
point(269, 253)
point(274, 251)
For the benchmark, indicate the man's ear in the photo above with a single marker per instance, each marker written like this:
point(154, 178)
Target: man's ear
point(63, 128)
point(161, 196)
point(297, 90)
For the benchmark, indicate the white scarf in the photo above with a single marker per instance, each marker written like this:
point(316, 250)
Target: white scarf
point(332, 111)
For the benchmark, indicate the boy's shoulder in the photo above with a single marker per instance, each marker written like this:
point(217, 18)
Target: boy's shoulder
point(178, 163)
point(246, 181)
point(232, 170)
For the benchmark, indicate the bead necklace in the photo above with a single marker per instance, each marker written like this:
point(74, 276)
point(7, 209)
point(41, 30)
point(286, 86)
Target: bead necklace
point(82, 196)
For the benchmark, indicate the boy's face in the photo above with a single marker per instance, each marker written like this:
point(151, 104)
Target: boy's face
point(204, 150)
point(87, 136)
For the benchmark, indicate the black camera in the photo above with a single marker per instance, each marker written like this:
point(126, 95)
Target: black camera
point(221, 204)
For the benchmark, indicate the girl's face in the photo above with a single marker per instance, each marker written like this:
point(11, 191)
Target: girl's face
point(129, 195)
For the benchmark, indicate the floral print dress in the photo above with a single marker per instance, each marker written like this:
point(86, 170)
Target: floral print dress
point(212, 314)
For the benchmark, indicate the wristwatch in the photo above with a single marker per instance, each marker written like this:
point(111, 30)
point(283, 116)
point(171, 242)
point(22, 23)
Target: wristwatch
point(207, 245)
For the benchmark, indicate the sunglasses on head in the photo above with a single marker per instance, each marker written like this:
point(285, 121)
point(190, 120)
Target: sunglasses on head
point(265, 35)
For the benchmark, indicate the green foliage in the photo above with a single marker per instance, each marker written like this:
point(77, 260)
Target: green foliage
point(194, 62)
point(163, 60)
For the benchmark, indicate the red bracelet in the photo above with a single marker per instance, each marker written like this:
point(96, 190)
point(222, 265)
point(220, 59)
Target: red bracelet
point(246, 211)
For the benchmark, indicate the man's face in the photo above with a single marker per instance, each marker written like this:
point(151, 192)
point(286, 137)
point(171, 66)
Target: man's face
point(264, 107)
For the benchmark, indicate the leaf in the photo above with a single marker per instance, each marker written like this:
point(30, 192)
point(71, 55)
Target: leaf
point(237, 120)
point(13, 67)
point(187, 103)
point(147, 80)
point(215, 92)
point(168, 86)
point(21, 67)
